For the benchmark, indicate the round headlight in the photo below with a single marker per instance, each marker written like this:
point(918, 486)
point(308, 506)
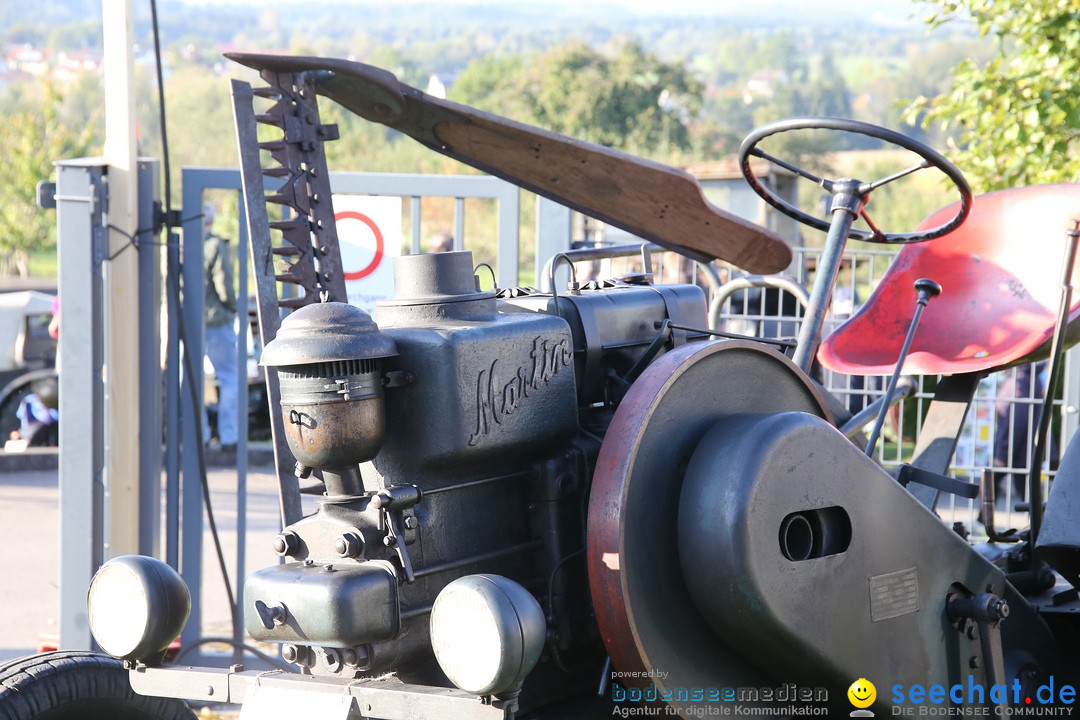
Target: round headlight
point(487, 632)
point(136, 606)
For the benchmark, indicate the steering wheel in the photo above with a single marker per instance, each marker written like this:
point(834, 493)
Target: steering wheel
point(856, 192)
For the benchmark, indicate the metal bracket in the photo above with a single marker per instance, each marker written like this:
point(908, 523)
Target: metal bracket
point(267, 703)
point(986, 611)
point(940, 429)
point(398, 378)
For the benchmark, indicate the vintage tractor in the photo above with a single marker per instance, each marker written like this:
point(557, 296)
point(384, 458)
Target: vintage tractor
point(586, 501)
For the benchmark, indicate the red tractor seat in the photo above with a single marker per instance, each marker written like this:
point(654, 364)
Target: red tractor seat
point(1000, 274)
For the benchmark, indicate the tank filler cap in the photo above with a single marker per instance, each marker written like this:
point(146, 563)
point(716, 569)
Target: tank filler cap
point(327, 332)
point(435, 279)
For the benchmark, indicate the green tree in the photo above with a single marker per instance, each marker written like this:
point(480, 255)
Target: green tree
point(883, 90)
point(824, 93)
point(484, 77)
point(34, 135)
point(626, 99)
point(780, 52)
point(1015, 116)
point(199, 121)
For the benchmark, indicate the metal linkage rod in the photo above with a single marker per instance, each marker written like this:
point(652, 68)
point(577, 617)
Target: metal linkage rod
point(1038, 450)
point(926, 289)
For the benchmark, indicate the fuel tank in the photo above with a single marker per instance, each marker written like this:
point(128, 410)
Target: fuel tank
point(613, 325)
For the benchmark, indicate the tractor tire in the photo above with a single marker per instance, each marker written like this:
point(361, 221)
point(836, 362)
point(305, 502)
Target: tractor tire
point(78, 685)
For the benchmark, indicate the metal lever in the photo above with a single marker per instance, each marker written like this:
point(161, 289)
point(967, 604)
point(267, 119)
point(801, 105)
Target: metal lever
point(396, 539)
point(910, 474)
point(987, 490)
point(392, 501)
point(905, 386)
point(271, 617)
point(926, 289)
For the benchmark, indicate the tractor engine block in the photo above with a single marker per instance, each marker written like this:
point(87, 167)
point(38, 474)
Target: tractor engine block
point(455, 437)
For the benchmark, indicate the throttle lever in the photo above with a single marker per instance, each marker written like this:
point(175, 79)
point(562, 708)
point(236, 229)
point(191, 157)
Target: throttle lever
point(396, 539)
point(392, 501)
point(926, 289)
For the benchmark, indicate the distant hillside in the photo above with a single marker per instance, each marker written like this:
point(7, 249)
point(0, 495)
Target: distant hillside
point(425, 21)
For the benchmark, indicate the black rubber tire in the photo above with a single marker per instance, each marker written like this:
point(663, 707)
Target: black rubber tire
point(78, 685)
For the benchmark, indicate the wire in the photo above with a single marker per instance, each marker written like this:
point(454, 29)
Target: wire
point(233, 613)
point(197, 416)
point(554, 573)
point(269, 659)
point(161, 112)
point(134, 241)
point(131, 242)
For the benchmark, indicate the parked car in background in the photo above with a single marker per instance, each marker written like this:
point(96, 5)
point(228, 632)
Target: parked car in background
point(28, 387)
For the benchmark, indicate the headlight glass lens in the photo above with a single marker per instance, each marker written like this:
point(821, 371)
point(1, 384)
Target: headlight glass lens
point(118, 609)
point(487, 632)
point(136, 606)
point(467, 640)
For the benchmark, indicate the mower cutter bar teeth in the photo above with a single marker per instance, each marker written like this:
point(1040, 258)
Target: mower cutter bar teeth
point(297, 163)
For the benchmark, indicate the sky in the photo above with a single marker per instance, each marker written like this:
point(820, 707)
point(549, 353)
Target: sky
point(893, 10)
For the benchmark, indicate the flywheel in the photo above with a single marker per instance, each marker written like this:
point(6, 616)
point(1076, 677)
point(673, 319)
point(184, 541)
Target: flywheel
point(652, 629)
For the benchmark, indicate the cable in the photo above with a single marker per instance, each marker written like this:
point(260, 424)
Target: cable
point(269, 659)
point(554, 573)
point(133, 240)
point(197, 416)
point(161, 112)
point(188, 368)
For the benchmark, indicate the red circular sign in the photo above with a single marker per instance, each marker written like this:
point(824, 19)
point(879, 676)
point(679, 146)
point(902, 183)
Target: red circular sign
point(370, 267)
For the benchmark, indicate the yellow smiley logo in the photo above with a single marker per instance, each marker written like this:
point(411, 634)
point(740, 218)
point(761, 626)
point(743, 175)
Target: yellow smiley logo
point(862, 693)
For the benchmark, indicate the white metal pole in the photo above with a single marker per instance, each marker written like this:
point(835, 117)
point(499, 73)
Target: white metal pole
point(121, 285)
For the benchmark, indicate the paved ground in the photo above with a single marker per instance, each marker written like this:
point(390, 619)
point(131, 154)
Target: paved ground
point(29, 560)
point(29, 551)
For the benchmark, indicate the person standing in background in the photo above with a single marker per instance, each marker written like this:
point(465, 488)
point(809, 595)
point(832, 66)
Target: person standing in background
point(220, 307)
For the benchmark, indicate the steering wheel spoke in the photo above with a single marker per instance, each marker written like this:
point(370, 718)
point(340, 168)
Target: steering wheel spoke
point(929, 159)
point(896, 176)
point(759, 153)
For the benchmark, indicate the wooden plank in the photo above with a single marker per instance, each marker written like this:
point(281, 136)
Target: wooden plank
point(654, 201)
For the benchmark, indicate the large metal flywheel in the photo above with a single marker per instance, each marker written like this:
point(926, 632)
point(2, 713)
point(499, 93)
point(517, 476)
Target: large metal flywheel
point(650, 625)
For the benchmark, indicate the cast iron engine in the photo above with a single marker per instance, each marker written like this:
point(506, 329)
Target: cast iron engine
point(456, 437)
